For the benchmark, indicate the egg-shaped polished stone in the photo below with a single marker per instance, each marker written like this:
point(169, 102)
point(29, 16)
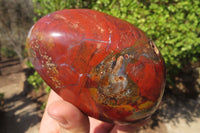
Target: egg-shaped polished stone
point(105, 66)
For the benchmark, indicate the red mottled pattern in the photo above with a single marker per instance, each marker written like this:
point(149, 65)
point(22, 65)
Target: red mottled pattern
point(149, 87)
point(105, 66)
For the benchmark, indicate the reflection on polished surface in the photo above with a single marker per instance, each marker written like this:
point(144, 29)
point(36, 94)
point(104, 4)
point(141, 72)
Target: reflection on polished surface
point(56, 34)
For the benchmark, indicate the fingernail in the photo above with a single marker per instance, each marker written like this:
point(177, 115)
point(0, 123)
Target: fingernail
point(62, 122)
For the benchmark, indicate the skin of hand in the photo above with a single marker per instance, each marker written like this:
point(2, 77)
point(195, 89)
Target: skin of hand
point(63, 117)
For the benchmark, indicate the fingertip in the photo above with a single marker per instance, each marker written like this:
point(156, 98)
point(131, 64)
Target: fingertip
point(132, 128)
point(98, 126)
point(68, 116)
point(55, 111)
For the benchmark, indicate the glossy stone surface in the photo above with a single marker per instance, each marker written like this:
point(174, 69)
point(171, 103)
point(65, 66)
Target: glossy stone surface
point(105, 66)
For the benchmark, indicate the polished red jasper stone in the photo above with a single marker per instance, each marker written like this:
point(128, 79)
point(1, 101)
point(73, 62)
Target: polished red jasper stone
point(105, 66)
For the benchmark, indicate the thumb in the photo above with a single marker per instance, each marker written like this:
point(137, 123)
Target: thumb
point(69, 118)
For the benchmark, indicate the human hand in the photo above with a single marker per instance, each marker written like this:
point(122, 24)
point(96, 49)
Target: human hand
point(63, 117)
